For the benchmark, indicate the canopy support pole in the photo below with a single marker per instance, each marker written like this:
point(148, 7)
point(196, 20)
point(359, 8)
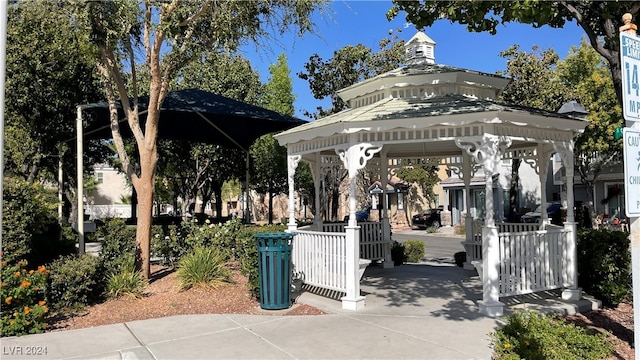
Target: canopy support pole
point(80, 169)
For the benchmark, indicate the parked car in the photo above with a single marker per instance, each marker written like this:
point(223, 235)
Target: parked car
point(426, 219)
point(361, 215)
point(553, 211)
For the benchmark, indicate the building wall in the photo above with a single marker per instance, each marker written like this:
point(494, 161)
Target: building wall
point(112, 186)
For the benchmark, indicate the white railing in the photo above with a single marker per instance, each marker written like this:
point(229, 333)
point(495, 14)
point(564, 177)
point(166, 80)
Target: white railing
point(319, 259)
point(517, 227)
point(373, 245)
point(532, 261)
point(473, 248)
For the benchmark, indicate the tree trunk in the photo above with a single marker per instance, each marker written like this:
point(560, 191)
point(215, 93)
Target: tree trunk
point(217, 191)
point(144, 188)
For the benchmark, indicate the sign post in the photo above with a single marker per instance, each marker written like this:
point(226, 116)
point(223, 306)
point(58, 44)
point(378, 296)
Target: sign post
point(630, 67)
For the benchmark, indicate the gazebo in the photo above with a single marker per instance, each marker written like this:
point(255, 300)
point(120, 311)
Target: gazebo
point(422, 111)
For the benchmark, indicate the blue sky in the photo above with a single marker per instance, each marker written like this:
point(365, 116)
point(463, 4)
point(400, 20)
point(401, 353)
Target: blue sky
point(364, 22)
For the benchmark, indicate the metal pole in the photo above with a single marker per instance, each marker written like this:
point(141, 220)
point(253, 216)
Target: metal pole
point(60, 185)
point(247, 212)
point(79, 192)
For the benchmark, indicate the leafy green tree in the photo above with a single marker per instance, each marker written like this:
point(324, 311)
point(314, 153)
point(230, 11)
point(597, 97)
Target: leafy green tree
point(600, 20)
point(535, 84)
point(270, 167)
point(348, 66)
point(278, 95)
point(533, 73)
point(169, 35)
point(49, 72)
point(269, 158)
point(543, 81)
point(303, 179)
point(188, 169)
point(424, 175)
point(586, 73)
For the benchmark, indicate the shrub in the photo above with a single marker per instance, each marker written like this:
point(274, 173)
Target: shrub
point(414, 250)
point(169, 243)
point(30, 228)
point(397, 253)
point(246, 252)
point(234, 241)
point(533, 335)
point(127, 282)
point(118, 245)
point(23, 307)
point(432, 229)
point(75, 281)
point(205, 266)
point(604, 265)
point(460, 258)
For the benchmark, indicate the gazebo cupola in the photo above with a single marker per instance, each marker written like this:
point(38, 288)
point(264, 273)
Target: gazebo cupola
point(420, 49)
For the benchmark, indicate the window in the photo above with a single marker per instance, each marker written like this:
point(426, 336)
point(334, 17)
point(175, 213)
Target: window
point(99, 177)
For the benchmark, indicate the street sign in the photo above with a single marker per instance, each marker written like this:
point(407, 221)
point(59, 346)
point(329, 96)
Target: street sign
point(630, 66)
point(631, 149)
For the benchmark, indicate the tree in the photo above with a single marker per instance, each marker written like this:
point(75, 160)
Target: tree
point(543, 81)
point(191, 169)
point(585, 71)
point(425, 175)
point(535, 84)
point(49, 72)
point(270, 166)
point(600, 20)
point(278, 94)
point(269, 158)
point(169, 35)
point(349, 65)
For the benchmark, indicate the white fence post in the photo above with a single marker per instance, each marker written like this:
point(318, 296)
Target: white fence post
point(571, 264)
point(352, 300)
point(490, 304)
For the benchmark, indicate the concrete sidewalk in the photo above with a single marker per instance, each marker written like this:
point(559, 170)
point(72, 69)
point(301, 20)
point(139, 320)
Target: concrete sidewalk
point(414, 311)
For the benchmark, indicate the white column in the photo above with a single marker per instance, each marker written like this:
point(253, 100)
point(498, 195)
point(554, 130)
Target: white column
point(247, 211)
point(80, 188)
point(316, 173)
point(354, 158)
point(292, 164)
point(466, 177)
point(60, 185)
point(386, 225)
point(573, 292)
point(543, 166)
point(487, 151)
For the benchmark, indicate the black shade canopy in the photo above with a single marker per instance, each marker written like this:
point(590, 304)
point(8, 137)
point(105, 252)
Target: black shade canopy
point(197, 116)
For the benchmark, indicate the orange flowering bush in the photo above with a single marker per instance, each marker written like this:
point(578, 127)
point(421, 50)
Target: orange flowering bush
point(22, 305)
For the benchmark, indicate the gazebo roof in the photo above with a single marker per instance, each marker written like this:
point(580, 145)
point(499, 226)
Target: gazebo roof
point(434, 114)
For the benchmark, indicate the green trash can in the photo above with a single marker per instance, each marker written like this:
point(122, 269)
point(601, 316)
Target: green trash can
point(274, 269)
